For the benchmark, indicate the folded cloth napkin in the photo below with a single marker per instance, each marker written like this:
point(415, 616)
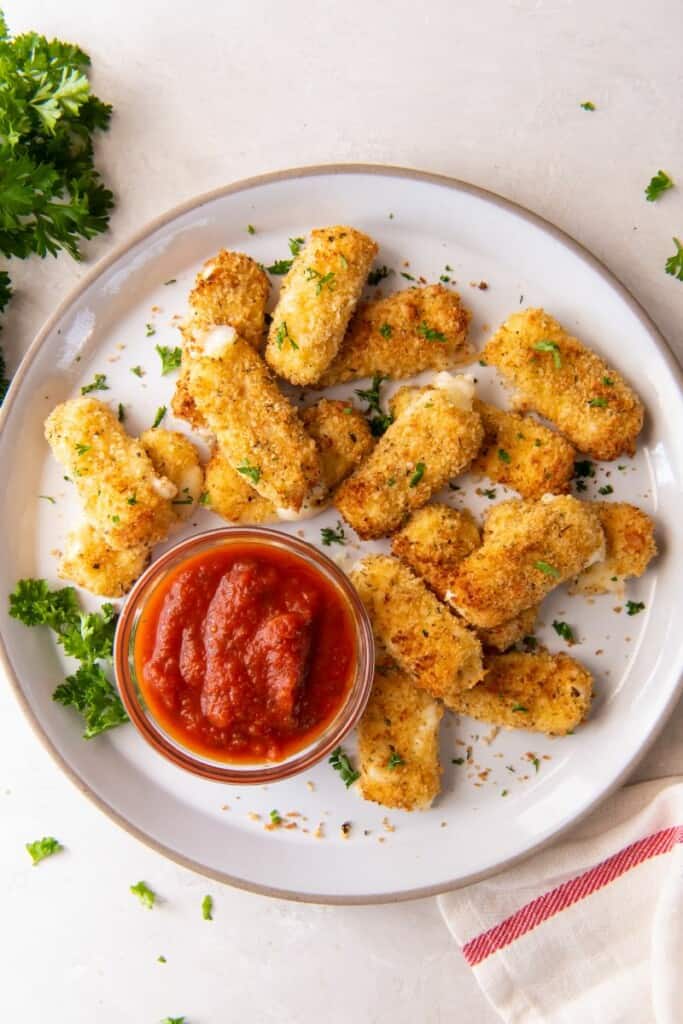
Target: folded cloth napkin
point(589, 931)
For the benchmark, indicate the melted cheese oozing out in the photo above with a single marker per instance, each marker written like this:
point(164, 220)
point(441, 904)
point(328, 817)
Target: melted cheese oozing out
point(214, 343)
point(460, 390)
point(312, 506)
point(163, 487)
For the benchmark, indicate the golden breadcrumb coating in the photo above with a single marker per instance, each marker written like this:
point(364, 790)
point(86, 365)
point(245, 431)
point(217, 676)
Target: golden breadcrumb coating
point(342, 435)
point(431, 442)
point(124, 498)
point(174, 456)
point(521, 453)
point(543, 692)
point(417, 630)
point(398, 742)
point(343, 438)
point(433, 543)
point(318, 297)
point(230, 289)
point(257, 429)
point(408, 332)
point(529, 548)
point(90, 562)
point(630, 547)
point(563, 380)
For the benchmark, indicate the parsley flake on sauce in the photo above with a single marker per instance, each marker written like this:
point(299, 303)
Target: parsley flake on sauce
point(39, 849)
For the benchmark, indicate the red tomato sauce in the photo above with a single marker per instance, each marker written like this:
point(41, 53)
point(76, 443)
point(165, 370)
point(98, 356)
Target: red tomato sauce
point(245, 654)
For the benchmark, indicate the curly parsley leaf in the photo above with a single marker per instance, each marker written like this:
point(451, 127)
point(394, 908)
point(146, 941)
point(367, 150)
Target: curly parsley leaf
point(89, 691)
point(659, 183)
point(674, 264)
point(42, 848)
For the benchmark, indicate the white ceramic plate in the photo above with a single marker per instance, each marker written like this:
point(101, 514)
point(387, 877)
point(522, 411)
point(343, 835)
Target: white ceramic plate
point(493, 809)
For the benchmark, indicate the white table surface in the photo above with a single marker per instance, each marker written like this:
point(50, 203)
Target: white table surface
point(207, 93)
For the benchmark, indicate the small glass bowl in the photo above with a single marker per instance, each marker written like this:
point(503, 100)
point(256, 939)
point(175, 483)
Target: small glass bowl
point(236, 772)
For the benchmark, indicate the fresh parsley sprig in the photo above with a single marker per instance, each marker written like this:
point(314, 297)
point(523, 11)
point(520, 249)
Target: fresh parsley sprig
point(659, 183)
point(674, 264)
point(379, 421)
point(42, 848)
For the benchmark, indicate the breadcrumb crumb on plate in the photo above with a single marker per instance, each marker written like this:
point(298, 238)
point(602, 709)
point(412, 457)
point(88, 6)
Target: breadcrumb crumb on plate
point(398, 742)
point(560, 378)
point(543, 692)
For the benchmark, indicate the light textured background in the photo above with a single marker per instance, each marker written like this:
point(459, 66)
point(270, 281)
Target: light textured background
point(206, 93)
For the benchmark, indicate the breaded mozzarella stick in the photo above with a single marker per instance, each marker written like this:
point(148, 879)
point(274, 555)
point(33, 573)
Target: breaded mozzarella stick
point(398, 742)
point(428, 642)
point(91, 563)
point(318, 297)
point(563, 380)
point(519, 452)
point(124, 499)
point(434, 439)
point(630, 547)
point(529, 548)
point(174, 456)
point(408, 332)
point(257, 430)
point(544, 692)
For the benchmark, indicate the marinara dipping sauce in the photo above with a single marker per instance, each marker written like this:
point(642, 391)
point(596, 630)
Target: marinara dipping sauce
point(245, 652)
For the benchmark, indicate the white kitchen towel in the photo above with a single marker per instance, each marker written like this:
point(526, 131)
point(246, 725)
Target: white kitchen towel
point(589, 931)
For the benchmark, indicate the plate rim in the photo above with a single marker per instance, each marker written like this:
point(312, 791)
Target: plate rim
point(120, 250)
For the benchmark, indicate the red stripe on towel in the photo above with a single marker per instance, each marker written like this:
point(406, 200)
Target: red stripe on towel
point(551, 903)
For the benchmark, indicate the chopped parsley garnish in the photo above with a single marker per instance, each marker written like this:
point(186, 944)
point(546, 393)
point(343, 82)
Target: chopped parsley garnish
point(584, 468)
point(340, 762)
point(386, 330)
point(251, 230)
point(504, 792)
point(173, 1020)
point(47, 497)
point(171, 280)
point(333, 536)
point(564, 630)
point(408, 277)
point(550, 346)
point(252, 472)
point(170, 358)
point(322, 280)
point(275, 818)
point(546, 569)
point(535, 762)
point(608, 382)
point(417, 475)
point(395, 760)
point(445, 279)
point(98, 384)
point(207, 908)
point(295, 245)
point(187, 500)
point(144, 894)
point(82, 449)
point(503, 455)
point(161, 412)
point(282, 335)
point(674, 264)
point(457, 760)
point(280, 267)
point(519, 708)
point(121, 413)
point(598, 403)
point(379, 421)
point(489, 492)
point(205, 498)
point(132, 500)
point(42, 848)
point(161, 959)
point(86, 636)
point(633, 607)
point(138, 371)
point(391, 482)
point(150, 330)
point(587, 105)
point(530, 642)
point(378, 274)
point(430, 333)
point(606, 489)
point(115, 519)
point(659, 183)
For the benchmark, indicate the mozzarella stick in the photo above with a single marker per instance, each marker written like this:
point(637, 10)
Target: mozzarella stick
point(257, 430)
point(318, 297)
point(563, 380)
point(433, 440)
point(543, 692)
point(91, 563)
point(433, 543)
point(521, 453)
point(529, 548)
point(427, 641)
point(630, 547)
point(343, 438)
point(408, 332)
point(398, 742)
point(126, 501)
point(174, 456)
point(231, 289)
